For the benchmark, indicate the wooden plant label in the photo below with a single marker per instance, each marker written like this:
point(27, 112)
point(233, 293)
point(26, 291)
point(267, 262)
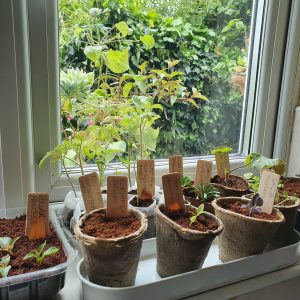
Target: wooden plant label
point(37, 216)
point(91, 193)
point(117, 197)
point(145, 179)
point(203, 172)
point(176, 164)
point(222, 162)
point(173, 191)
point(267, 189)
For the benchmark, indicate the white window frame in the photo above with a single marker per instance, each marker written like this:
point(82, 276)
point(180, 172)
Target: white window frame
point(31, 31)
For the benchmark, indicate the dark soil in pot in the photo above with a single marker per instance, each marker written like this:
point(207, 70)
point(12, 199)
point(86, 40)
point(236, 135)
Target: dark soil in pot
point(243, 235)
point(233, 186)
point(182, 247)
point(16, 227)
point(147, 207)
point(291, 185)
point(111, 248)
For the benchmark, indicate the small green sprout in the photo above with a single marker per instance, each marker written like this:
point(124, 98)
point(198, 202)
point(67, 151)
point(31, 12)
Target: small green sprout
point(199, 211)
point(38, 253)
point(186, 181)
point(7, 244)
point(206, 192)
point(4, 267)
point(281, 198)
point(253, 181)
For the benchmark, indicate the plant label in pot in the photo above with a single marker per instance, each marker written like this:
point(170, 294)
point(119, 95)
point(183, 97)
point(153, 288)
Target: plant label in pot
point(203, 172)
point(180, 231)
point(111, 239)
point(267, 189)
point(144, 201)
point(37, 220)
point(222, 160)
point(90, 189)
point(176, 164)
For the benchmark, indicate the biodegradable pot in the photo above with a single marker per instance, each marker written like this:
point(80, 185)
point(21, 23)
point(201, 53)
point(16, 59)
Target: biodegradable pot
point(281, 237)
point(181, 249)
point(226, 191)
point(243, 235)
point(113, 261)
point(149, 212)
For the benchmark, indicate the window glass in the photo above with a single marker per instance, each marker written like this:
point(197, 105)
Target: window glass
point(153, 78)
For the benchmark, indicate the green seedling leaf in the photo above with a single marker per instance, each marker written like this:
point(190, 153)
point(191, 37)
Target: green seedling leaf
point(117, 61)
point(7, 244)
point(123, 28)
point(4, 266)
point(199, 211)
point(50, 251)
point(221, 150)
point(39, 255)
point(206, 192)
point(148, 41)
point(186, 181)
point(259, 162)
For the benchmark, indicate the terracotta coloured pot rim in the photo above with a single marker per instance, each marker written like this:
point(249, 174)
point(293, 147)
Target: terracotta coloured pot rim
point(216, 204)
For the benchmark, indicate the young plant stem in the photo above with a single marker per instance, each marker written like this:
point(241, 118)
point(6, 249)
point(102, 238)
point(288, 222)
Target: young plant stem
point(68, 175)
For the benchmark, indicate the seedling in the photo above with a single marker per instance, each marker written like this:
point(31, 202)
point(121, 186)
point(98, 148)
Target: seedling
point(39, 255)
point(199, 211)
point(254, 205)
point(253, 181)
point(4, 267)
point(206, 192)
point(285, 197)
point(186, 181)
point(7, 244)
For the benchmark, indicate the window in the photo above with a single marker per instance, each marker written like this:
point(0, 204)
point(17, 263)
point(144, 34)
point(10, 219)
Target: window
point(33, 52)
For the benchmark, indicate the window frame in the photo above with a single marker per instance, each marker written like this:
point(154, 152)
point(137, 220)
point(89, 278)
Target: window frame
point(42, 119)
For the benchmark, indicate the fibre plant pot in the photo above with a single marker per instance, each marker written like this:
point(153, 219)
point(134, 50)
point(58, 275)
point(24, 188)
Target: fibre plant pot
point(112, 262)
point(281, 237)
point(243, 235)
point(235, 186)
point(149, 212)
point(181, 249)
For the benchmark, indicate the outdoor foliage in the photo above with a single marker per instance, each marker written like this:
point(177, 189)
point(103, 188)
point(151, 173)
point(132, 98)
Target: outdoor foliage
point(118, 57)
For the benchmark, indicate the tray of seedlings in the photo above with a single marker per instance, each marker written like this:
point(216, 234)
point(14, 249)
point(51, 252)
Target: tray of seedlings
point(185, 258)
point(34, 253)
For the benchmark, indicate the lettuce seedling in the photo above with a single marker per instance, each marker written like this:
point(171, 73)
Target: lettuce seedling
point(254, 205)
point(38, 253)
point(4, 266)
point(199, 211)
point(7, 244)
point(206, 192)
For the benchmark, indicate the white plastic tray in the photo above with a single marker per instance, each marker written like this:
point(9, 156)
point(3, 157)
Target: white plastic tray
point(149, 285)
